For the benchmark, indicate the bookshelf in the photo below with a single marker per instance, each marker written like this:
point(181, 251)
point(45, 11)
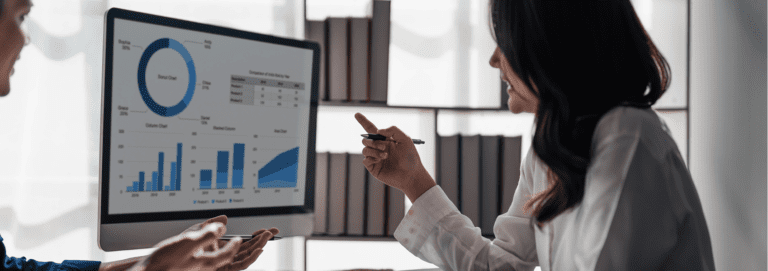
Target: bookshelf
point(426, 128)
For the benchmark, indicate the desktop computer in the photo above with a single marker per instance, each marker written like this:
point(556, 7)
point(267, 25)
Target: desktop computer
point(199, 120)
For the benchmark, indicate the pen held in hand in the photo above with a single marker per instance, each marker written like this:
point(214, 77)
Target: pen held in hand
point(381, 137)
point(245, 237)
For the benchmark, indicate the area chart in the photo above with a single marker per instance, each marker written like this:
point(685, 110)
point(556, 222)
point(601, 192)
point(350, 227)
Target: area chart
point(281, 171)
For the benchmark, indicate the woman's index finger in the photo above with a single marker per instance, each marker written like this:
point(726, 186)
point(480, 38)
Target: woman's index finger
point(367, 125)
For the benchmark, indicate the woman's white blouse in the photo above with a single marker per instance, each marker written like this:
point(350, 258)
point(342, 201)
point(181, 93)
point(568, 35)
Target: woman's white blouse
point(640, 211)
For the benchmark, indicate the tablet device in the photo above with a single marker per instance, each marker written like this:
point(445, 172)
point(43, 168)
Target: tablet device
point(198, 121)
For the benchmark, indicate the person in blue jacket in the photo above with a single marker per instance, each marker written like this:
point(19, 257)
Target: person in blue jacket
point(197, 248)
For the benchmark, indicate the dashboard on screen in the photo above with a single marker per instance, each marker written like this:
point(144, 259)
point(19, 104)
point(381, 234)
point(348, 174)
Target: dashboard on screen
point(203, 121)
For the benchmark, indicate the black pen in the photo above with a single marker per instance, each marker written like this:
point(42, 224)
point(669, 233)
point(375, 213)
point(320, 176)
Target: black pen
point(381, 137)
point(246, 238)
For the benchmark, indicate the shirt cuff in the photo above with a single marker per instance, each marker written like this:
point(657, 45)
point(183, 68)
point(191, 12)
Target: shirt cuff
point(81, 265)
point(422, 218)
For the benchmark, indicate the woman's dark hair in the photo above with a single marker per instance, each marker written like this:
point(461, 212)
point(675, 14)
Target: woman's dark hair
point(585, 57)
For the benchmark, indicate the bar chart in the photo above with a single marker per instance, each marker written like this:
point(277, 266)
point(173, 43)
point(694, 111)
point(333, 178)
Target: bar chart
point(174, 182)
point(222, 170)
point(280, 172)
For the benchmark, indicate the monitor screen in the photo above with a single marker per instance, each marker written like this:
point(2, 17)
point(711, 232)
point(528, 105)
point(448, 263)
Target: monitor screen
point(200, 120)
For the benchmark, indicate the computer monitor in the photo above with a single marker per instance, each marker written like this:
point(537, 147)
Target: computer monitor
point(199, 121)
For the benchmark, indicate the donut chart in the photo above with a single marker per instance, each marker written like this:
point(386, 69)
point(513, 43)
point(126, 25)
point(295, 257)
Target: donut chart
point(155, 46)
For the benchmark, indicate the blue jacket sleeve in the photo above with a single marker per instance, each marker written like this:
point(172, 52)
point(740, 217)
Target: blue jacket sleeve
point(13, 264)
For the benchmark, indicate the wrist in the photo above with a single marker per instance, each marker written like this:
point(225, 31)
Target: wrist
point(419, 185)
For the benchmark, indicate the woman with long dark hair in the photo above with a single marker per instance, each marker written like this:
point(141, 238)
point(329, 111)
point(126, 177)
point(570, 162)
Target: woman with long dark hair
point(603, 187)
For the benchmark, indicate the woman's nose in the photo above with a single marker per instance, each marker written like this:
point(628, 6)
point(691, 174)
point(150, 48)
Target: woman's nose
point(494, 62)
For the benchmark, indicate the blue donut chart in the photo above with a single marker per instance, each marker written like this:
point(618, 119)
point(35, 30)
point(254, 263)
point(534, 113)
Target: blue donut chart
point(142, 77)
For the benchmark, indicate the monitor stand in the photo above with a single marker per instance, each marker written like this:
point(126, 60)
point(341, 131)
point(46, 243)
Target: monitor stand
point(123, 236)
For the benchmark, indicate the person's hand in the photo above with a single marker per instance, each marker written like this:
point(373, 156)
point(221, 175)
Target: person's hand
point(395, 161)
point(187, 251)
point(248, 251)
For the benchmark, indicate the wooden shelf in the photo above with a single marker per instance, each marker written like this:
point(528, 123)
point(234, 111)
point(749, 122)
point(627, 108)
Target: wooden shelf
point(359, 238)
point(350, 238)
point(384, 105)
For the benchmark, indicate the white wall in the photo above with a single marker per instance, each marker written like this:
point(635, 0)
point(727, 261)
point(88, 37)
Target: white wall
point(728, 127)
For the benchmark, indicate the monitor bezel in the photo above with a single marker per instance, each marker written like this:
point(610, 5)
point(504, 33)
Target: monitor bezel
point(106, 109)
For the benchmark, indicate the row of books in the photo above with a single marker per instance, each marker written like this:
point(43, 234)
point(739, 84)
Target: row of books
point(479, 174)
point(354, 59)
point(350, 201)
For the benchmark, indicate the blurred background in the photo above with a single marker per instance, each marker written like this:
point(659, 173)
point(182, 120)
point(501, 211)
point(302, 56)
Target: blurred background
point(439, 52)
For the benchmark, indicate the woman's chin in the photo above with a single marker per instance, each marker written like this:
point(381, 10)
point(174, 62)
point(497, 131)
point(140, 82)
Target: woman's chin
point(4, 89)
point(5, 82)
point(514, 108)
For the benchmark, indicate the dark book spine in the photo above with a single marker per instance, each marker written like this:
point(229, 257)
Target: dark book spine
point(380, 34)
point(358, 56)
point(470, 178)
point(375, 206)
point(316, 31)
point(338, 59)
point(337, 194)
point(395, 210)
point(448, 177)
point(490, 183)
point(356, 195)
point(321, 193)
point(510, 171)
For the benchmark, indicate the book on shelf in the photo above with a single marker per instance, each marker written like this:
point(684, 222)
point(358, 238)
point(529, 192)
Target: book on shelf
point(395, 209)
point(470, 178)
point(359, 58)
point(356, 195)
point(338, 59)
point(316, 31)
point(380, 37)
point(490, 183)
point(321, 193)
point(504, 95)
point(375, 205)
point(355, 62)
point(448, 161)
point(479, 174)
point(337, 193)
point(510, 170)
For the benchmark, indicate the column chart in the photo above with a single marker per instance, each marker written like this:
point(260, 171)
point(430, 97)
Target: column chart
point(174, 180)
point(222, 170)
